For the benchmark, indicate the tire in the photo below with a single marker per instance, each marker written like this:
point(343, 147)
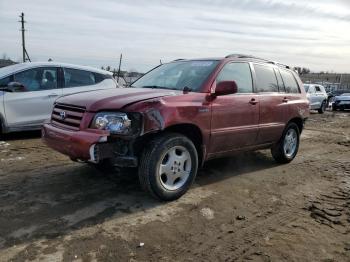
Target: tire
point(334, 108)
point(322, 109)
point(168, 166)
point(282, 152)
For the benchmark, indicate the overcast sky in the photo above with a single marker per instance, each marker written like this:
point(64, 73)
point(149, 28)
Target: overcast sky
point(313, 34)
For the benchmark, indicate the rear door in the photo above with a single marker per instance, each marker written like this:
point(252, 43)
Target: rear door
point(76, 80)
point(296, 100)
point(32, 105)
point(320, 95)
point(273, 103)
point(235, 117)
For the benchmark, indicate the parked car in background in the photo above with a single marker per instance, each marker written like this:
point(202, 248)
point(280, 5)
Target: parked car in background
point(334, 93)
point(341, 102)
point(317, 96)
point(29, 90)
point(181, 114)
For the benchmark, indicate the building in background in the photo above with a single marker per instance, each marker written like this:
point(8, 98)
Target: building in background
point(6, 62)
point(330, 81)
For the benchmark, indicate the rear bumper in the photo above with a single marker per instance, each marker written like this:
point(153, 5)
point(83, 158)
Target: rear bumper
point(78, 145)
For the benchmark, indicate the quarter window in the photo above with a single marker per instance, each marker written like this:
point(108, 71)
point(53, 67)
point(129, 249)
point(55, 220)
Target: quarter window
point(266, 79)
point(37, 79)
point(240, 73)
point(75, 77)
point(290, 83)
point(318, 89)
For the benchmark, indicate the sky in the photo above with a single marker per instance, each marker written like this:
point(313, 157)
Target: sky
point(313, 34)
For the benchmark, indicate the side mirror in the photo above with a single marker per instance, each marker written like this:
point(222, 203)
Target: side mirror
point(226, 88)
point(16, 87)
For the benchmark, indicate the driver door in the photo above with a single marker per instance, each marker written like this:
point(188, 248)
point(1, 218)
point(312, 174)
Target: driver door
point(235, 117)
point(33, 104)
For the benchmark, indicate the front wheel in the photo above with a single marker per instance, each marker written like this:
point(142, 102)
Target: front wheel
point(287, 147)
point(323, 107)
point(168, 166)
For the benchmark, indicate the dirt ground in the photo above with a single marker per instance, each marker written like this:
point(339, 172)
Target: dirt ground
point(242, 208)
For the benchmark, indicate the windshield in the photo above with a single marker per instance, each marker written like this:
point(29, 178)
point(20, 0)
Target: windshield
point(178, 75)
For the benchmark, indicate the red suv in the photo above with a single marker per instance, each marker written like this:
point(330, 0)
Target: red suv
point(180, 114)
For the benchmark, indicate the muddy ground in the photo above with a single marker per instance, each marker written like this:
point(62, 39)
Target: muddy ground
point(241, 208)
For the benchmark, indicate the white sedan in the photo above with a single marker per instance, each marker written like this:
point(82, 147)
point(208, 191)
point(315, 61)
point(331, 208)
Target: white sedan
point(29, 90)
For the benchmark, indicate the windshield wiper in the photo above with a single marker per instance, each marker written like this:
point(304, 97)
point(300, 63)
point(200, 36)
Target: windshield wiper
point(186, 89)
point(155, 87)
point(152, 87)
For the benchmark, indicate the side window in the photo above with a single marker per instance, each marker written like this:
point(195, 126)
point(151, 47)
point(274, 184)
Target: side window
point(289, 82)
point(100, 77)
point(240, 73)
point(318, 89)
point(75, 77)
point(279, 81)
point(37, 79)
point(266, 79)
point(4, 81)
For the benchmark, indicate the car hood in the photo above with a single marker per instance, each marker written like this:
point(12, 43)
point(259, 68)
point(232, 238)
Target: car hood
point(342, 98)
point(113, 98)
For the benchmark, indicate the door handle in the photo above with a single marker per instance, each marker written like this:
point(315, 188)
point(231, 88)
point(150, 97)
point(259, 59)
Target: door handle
point(285, 100)
point(52, 95)
point(253, 101)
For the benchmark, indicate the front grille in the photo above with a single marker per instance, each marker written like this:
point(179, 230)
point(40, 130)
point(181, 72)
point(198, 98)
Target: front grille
point(67, 116)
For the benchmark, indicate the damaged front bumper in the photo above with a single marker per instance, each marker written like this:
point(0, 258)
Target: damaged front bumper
point(90, 145)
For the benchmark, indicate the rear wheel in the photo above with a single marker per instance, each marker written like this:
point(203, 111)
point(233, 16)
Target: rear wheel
point(323, 107)
point(168, 166)
point(287, 147)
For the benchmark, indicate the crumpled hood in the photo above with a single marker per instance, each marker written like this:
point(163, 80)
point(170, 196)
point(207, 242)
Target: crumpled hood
point(113, 98)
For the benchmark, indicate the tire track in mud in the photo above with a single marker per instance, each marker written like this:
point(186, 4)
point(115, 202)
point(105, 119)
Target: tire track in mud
point(332, 207)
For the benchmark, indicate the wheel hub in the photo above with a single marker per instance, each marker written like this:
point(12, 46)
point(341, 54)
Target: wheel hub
point(290, 143)
point(174, 168)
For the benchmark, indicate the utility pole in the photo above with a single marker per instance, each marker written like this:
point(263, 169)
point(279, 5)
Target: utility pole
point(24, 51)
point(120, 62)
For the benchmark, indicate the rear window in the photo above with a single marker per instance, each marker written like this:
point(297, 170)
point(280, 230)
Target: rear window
point(75, 77)
point(266, 79)
point(290, 83)
point(100, 77)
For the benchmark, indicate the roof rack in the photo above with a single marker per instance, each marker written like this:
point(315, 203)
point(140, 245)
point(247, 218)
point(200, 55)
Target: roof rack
point(256, 58)
point(179, 59)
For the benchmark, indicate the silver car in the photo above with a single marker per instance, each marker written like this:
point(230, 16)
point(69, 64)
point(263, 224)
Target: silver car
point(317, 96)
point(29, 90)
